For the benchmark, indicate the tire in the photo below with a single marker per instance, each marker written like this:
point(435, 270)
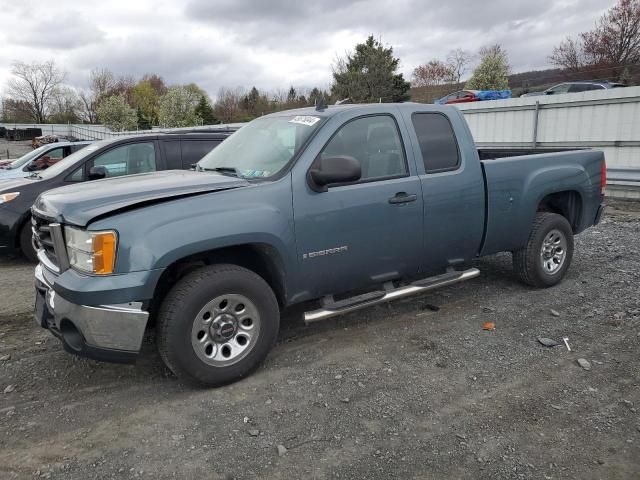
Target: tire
point(193, 328)
point(26, 243)
point(540, 268)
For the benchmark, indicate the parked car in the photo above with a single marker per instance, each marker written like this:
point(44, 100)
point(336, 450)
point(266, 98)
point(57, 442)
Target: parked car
point(336, 209)
point(464, 96)
point(103, 159)
point(461, 96)
point(38, 159)
point(575, 87)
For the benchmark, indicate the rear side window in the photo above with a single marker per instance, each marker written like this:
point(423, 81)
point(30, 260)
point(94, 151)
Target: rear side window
point(172, 154)
point(437, 141)
point(194, 150)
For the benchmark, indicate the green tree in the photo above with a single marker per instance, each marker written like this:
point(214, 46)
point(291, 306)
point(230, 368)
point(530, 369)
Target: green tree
point(316, 95)
point(115, 113)
point(178, 107)
point(369, 75)
point(205, 111)
point(143, 121)
point(493, 71)
point(145, 99)
point(255, 104)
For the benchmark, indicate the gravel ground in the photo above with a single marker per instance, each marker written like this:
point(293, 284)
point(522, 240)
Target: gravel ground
point(13, 149)
point(413, 389)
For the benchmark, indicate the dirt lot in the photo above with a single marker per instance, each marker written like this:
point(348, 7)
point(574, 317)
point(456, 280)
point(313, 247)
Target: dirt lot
point(414, 389)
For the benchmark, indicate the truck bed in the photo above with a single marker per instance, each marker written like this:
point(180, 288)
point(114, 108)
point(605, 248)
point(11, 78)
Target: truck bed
point(516, 186)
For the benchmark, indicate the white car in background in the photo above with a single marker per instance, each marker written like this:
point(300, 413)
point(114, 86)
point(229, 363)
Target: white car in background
point(39, 159)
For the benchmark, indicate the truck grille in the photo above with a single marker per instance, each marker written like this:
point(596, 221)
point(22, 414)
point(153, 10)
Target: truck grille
point(42, 237)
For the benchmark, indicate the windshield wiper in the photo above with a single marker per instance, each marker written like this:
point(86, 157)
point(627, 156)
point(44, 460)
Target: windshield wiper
point(230, 171)
point(35, 175)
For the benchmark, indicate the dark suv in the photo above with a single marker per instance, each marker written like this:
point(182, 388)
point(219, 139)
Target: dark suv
point(104, 159)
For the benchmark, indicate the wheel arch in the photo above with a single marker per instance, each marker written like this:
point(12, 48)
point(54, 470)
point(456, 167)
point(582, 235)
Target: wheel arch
point(261, 258)
point(567, 203)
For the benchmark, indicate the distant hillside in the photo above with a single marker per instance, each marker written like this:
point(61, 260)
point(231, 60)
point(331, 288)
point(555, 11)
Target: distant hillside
point(533, 80)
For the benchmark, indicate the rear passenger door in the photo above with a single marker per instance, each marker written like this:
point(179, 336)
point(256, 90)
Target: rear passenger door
point(452, 189)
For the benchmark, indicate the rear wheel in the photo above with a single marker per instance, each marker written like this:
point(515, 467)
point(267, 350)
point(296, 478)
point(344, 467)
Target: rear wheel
point(217, 324)
point(26, 243)
point(548, 253)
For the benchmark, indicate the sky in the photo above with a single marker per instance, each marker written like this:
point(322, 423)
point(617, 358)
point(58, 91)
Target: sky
point(274, 43)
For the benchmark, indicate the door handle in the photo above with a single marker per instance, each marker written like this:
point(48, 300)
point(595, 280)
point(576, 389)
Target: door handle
point(403, 197)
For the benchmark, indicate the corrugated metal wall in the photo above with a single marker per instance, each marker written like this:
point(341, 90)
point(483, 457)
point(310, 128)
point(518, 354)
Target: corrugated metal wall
point(608, 120)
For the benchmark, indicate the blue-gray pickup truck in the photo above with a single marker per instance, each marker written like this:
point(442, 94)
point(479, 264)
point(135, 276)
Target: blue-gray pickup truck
point(338, 208)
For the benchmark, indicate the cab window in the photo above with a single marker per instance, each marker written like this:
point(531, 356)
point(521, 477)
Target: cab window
point(374, 142)
point(437, 141)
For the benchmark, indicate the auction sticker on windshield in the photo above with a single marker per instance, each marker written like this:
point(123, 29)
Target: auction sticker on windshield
point(307, 120)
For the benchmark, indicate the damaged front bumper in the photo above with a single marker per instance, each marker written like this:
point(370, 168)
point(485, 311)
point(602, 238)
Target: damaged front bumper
point(111, 333)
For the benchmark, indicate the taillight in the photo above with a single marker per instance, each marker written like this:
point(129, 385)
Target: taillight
point(603, 176)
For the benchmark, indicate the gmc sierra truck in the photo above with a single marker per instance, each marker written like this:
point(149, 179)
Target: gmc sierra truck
point(338, 208)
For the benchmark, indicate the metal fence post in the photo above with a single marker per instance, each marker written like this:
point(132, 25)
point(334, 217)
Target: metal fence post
point(534, 141)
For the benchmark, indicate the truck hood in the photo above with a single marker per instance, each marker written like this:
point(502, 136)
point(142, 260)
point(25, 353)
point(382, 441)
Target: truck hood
point(79, 204)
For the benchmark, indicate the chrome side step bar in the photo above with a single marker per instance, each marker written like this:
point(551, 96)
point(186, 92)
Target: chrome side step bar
point(392, 294)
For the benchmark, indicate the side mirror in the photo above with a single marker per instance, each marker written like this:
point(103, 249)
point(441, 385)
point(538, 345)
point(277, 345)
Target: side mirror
point(97, 172)
point(549, 92)
point(327, 171)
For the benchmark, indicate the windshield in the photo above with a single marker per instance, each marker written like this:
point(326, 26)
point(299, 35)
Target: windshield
point(72, 159)
point(263, 147)
point(27, 157)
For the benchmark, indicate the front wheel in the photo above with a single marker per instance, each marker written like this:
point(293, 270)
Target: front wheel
point(546, 258)
point(217, 324)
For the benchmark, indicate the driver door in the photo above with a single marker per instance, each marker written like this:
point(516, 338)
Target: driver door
point(366, 232)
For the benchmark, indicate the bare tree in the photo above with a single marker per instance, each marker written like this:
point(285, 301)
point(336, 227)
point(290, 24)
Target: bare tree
point(65, 106)
point(568, 55)
point(614, 42)
point(228, 104)
point(35, 84)
point(101, 82)
point(458, 61)
point(616, 38)
point(434, 72)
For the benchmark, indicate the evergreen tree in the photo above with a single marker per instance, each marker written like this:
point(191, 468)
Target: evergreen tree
point(292, 96)
point(369, 75)
point(205, 111)
point(143, 122)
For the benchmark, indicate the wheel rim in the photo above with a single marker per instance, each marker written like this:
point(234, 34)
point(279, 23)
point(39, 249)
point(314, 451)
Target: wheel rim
point(225, 330)
point(553, 252)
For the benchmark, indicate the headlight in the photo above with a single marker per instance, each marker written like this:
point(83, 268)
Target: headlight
point(91, 252)
point(7, 197)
